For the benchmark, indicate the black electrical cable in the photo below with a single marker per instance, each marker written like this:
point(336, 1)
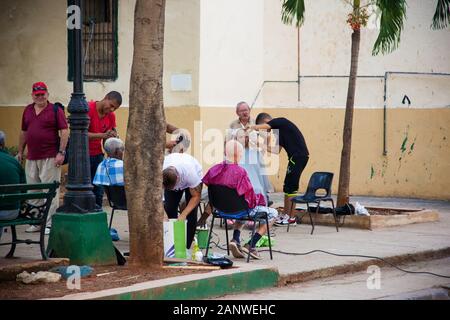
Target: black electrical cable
point(340, 255)
point(217, 244)
point(358, 256)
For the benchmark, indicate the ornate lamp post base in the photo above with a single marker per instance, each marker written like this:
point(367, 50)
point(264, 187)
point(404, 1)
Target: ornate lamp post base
point(80, 231)
point(83, 238)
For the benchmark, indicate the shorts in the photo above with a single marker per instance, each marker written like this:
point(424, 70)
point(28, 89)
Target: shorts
point(294, 170)
point(257, 211)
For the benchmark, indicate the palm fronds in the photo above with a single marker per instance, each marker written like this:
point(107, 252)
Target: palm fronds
point(293, 9)
point(393, 13)
point(441, 16)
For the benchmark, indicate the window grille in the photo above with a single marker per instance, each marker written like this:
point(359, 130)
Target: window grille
point(99, 41)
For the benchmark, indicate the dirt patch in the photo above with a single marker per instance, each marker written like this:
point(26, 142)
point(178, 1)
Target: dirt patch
point(372, 211)
point(102, 278)
point(384, 212)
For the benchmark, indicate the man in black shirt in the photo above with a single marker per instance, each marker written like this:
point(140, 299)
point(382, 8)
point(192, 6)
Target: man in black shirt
point(291, 139)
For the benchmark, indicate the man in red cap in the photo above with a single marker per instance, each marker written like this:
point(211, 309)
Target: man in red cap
point(45, 134)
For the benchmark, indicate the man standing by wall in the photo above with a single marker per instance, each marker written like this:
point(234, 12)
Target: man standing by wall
point(45, 134)
point(251, 159)
point(101, 127)
point(291, 139)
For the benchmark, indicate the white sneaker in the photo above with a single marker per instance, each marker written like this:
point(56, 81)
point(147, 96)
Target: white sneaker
point(281, 218)
point(33, 229)
point(286, 222)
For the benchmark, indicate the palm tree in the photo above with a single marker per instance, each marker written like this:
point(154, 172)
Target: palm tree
point(146, 136)
point(393, 13)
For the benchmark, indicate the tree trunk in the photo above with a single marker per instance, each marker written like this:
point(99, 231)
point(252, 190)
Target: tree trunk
point(146, 136)
point(344, 172)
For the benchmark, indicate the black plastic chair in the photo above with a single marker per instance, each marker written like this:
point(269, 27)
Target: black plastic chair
point(116, 198)
point(318, 181)
point(227, 204)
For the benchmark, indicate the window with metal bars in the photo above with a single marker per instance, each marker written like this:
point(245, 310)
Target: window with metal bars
point(99, 30)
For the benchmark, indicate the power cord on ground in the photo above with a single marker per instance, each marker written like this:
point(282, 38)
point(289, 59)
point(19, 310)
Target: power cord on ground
point(358, 256)
point(338, 255)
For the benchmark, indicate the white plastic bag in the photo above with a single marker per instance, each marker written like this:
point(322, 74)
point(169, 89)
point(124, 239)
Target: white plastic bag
point(360, 210)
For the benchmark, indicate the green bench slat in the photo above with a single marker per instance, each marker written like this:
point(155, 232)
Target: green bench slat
point(19, 221)
point(9, 198)
point(7, 188)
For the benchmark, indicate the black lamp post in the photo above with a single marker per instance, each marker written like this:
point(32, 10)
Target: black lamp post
point(79, 231)
point(79, 197)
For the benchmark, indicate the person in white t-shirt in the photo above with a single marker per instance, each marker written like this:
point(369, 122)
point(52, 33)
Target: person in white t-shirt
point(182, 174)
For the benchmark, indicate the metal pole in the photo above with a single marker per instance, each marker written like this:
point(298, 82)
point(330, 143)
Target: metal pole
point(79, 197)
point(385, 113)
point(298, 63)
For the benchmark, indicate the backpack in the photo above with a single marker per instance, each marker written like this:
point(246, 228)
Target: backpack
point(347, 209)
point(57, 105)
point(321, 209)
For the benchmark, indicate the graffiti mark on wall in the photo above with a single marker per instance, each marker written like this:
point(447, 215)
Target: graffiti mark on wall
point(411, 148)
point(384, 167)
point(404, 148)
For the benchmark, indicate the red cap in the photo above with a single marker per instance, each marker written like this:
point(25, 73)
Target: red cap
point(39, 87)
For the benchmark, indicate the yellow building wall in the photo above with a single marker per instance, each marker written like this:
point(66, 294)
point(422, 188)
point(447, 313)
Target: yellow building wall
point(417, 163)
point(205, 40)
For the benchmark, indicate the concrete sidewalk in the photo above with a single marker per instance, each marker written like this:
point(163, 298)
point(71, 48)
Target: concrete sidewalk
point(422, 240)
point(392, 284)
point(407, 243)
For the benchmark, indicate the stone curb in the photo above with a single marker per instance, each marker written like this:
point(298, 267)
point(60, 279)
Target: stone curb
point(198, 286)
point(246, 278)
point(362, 266)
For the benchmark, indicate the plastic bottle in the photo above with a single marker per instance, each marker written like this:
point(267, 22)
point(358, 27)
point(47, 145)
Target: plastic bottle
point(199, 256)
point(195, 249)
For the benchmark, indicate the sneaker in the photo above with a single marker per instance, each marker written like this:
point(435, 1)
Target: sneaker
point(281, 222)
point(114, 234)
point(286, 222)
point(33, 228)
point(230, 222)
point(281, 218)
point(235, 249)
point(253, 252)
point(292, 221)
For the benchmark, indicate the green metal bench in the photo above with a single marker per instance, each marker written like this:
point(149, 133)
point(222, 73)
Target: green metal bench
point(29, 214)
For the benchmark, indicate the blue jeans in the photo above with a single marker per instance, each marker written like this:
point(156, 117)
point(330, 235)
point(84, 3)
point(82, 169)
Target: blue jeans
point(98, 190)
